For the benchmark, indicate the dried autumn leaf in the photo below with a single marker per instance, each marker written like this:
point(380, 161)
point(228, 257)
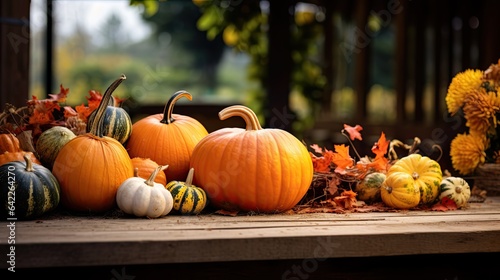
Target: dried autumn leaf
point(353, 131)
point(93, 99)
point(227, 212)
point(84, 112)
point(333, 185)
point(445, 204)
point(381, 146)
point(61, 96)
point(347, 199)
point(317, 149)
point(341, 158)
point(380, 164)
point(42, 110)
point(320, 164)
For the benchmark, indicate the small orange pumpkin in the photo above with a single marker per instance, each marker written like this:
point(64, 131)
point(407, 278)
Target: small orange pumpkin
point(252, 169)
point(145, 167)
point(18, 156)
point(9, 143)
point(91, 167)
point(167, 139)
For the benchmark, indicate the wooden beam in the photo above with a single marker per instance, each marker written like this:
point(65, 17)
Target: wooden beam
point(420, 59)
point(401, 67)
point(14, 52)
point(362, 61)
point(278, 113)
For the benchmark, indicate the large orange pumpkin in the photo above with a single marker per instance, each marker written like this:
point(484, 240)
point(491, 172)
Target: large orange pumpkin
point(91, 167)
point(167, 139)
point(252, 169)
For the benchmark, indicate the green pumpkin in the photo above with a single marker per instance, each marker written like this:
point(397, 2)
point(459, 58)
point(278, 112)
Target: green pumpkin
point(368, 189)
point(28, 191)
point(50, 143)
point(116, 123)
point(188, 199)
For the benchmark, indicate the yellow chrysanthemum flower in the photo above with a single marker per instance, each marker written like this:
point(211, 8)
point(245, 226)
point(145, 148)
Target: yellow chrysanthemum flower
point(461, 85)
point(467, 152)
point(480, 110)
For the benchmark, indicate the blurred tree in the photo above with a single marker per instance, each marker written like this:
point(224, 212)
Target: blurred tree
point(113, 35)
point(244, 26)
point(177, 20)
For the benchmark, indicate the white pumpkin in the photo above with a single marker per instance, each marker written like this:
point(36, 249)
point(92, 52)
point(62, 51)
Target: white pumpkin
point(455, 188)
point(143, 197)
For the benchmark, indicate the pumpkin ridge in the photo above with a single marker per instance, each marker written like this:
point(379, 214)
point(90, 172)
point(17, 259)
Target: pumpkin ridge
point(285, 171)
point(50, 182)
point(279, 156)
point(238, 164)
point(306, 177)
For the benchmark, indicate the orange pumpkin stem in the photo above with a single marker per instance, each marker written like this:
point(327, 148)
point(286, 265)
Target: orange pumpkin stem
point(169, 107)
point(246, 113)
point(189, 178)
point(151, 180)
point(96, 127)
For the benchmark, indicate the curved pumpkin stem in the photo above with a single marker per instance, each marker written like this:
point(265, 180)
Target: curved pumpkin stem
point(169, 107)
point(246, 113)
point(96, 127)
point(29, 163)
point(189, 178)
point(151, 179)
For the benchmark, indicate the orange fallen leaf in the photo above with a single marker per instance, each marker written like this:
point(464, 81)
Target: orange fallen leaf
point(341, 158)
point(347, 199)
point(354, 131)
point(380, 147)
point(445, 204)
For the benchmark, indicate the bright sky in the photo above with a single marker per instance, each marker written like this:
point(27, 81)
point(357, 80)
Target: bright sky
point(91, 14)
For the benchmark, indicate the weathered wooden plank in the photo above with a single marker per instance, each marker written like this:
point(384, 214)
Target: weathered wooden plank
point(69, 241)
point(359, 244)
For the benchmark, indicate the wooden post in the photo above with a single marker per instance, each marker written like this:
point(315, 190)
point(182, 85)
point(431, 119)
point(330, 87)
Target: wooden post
point(279, 68)
point(362, 73)
point(14, 52)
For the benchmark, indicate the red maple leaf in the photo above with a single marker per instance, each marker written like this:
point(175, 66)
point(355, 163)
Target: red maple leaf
point(93, 99)
point(445, 204)
point(353, 131)
point(42, 110)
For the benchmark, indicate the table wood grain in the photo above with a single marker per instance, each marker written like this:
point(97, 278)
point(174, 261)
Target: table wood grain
point(69, 240)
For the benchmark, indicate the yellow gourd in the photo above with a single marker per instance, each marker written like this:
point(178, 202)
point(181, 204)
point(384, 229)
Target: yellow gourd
point(400, 191)
point(425, 172)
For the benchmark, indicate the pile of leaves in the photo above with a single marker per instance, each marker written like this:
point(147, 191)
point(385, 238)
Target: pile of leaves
point(337, 172)
point(37, 115)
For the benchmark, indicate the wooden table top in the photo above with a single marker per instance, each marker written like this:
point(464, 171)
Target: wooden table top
point(68, 240)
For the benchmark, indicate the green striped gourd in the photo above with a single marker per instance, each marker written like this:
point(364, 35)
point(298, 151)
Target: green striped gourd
point(116, 122)
point(368, 190)
point(28, 190)
point(188, 198)
point(455, 188)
